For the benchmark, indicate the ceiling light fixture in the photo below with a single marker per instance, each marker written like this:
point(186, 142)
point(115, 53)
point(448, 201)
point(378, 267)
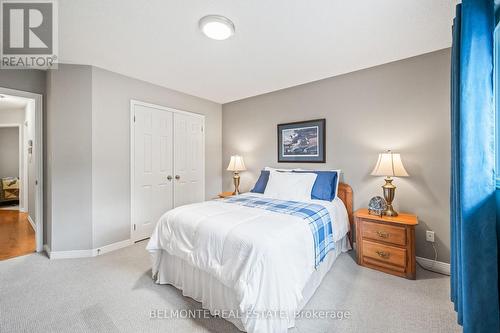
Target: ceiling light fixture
point(217, 27)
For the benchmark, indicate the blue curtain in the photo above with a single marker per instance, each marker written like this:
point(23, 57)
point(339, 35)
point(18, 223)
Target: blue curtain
point(474, 240)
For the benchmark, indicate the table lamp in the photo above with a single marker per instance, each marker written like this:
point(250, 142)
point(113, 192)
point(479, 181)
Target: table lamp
point(389, 165)
point(236, 165)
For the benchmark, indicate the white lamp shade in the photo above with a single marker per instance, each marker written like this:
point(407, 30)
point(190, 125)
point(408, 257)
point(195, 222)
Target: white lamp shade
point(389, 165)
point(236, 164)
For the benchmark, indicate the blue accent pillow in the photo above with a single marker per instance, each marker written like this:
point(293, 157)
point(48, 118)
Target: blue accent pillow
point(325, 186)
point(260, 185)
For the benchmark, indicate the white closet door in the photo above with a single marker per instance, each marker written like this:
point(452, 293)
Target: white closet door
point(189, 158)
point(153, 144)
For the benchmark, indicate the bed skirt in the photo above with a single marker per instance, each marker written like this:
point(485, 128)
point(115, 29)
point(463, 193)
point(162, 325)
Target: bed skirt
point(218, 298)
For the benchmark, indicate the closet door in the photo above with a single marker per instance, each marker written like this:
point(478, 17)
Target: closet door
point(153, 176)
point(189, 159)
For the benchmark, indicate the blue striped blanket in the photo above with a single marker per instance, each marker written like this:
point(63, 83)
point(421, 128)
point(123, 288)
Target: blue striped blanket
point(316, 215)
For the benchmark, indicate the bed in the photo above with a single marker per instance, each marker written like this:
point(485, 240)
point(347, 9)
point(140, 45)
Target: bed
point(251, 266)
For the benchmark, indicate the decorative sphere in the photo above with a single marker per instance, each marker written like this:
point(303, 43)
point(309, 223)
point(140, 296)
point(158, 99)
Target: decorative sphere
point(377, 205)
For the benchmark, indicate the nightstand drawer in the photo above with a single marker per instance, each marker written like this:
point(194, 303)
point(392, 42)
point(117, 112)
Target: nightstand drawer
point(385, 233)
point(387, 254)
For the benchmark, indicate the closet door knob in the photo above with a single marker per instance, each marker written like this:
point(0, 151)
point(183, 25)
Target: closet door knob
point(169, 177)
point(177, 177)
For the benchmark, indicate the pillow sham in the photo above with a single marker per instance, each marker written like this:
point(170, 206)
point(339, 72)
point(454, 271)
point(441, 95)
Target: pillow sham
point(326, 184)
point(290, 185)
point(261, 183)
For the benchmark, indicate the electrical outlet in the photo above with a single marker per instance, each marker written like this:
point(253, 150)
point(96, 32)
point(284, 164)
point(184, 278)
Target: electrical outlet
point(429, 236)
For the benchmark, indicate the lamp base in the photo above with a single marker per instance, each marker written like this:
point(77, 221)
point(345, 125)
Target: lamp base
point(389, 193)
point(236, 180)
point(389, 211)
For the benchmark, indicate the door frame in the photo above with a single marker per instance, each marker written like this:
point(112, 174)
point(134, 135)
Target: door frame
point(38, 150)
point(134, 103)
point(22, 190)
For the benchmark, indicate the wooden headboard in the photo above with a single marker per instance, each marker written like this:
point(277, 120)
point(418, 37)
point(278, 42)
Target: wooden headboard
point(345, 194)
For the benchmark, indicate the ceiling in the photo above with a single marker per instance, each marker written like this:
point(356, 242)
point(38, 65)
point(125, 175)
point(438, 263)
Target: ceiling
point(278, 43)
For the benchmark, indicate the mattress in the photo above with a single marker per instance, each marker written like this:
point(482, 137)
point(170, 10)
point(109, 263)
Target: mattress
point(246, 259)
point(219, 299)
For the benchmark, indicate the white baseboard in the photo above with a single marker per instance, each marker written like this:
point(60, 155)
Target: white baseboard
point(435, 266)
point(86, 253)
point(30, 220)
point(112, 247)
point(70, 254)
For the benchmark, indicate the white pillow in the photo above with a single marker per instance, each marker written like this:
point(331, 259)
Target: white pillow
point(275, 169)
point(290, 186)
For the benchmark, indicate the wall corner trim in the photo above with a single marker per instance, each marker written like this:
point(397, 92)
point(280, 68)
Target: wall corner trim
point(87, 253)
point(435, 266)
point(46, 248)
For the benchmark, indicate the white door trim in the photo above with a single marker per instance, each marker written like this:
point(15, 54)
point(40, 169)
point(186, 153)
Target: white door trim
point(38, 150)
point(22, 202)
point(133, 103)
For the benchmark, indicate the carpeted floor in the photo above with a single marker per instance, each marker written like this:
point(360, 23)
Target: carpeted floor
point(114, 293)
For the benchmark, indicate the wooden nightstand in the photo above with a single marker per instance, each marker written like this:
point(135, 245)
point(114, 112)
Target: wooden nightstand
point(226, 194)
point(386, 243)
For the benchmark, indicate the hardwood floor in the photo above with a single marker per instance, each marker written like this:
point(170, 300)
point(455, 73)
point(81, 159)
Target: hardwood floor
point(17, 237)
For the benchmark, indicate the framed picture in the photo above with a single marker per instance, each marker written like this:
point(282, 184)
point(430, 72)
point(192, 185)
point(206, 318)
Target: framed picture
point(302, 141)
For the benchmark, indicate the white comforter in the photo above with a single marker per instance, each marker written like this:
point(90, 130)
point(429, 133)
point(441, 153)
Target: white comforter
point(265, 257)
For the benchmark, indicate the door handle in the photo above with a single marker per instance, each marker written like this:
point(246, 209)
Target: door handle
point(177, 177)
point(169, 178)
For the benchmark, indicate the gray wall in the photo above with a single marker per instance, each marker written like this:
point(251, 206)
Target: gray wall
point(69, 157)
point(402, 106)
point(30, 80)
point(9, 152)
point(111, 95)
point(88, 152)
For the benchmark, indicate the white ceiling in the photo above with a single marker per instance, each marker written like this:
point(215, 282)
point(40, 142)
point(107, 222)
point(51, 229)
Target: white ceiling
point(278, 43)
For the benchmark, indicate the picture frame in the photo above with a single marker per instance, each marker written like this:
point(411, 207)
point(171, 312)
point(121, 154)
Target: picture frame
point(302, 141)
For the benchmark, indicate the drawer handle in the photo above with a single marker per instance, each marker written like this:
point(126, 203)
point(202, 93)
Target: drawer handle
point(383, 254)
point(382, 234)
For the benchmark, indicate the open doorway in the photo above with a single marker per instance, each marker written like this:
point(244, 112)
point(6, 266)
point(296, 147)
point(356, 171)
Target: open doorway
point(21, 225)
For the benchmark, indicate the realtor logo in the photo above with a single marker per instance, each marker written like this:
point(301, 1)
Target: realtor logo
point(29, 34)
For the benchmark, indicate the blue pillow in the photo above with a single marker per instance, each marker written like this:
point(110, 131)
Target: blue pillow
point(261, 184)
point(325, 186)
